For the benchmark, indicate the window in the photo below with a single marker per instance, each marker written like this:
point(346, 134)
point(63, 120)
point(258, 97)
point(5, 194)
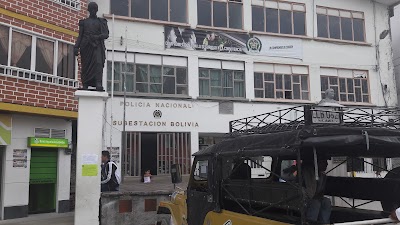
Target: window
point(200, 171)
point(340, 24)
point(216, 13)
point(4, 37)
point(379, 164)
point(21, 50)
point(224, 79)
point(279, 17)
point(261, 166)
point(66, 61)
point(163, 10)
point(141, 77)
point(349, 85)
point(356, 165)
point(76, 4)
point(281, 82)
point(44, 56)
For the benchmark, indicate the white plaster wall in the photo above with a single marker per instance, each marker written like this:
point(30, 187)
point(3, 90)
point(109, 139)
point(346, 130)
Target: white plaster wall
point(16, 180)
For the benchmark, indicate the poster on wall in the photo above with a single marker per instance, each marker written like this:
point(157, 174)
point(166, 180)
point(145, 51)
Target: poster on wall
point(226, 42)
point(114, 153)
point(20, 158)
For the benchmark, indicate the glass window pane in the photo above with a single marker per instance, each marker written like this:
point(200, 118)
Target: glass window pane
point(169, 71)
point(365, 86)
point(343, 97)
point(216, 92)
point(239, 75)
point(155, 88)
point(324, 83)
point(120, 7)
point(66, 61)
point(322, 26)
point(141, 73)
point(239, 89)
point(333, 81)
point(269, 90)
point(304, 83)
point(305, 96)
point(140, 8)
point(181, 90)
point(357, 82)
point(358, 26)
point(204, 73)
point(258, 80)
point(279, 81)
point(288, 95)
point(155, 74)
point(235, 15)
point(129, 67)
point(336, 90)
point(334, 27)
point(342, 85)
point(285, 22)
point(350, 98)
point(204, 87)
point(296, 91)
point(178, 12)
point(272, 20)
point(347, 29)
point(117, 87)
point(269, 77)
point(169, 85)
point(204, 12)
point(259, 93)
point(288, 82)
point(365, 98)
point(44, 56)
point(129, 83)
point(220, 17)
point(350, 86)
point(279, 94)
point(299, 19)
point(358, 95)
point(296, 78)
point(228, 92)
point(4, 33)
point(159, 10)
point(109, 70)
point(216, 78)
point(258, 18)
point(181, 76)
point(227, 79)
point(117, 71)
point(21, 50)
point(142, 87)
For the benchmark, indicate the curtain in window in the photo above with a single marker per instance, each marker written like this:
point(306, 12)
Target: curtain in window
point(47, 50)
point(4, 37)
point(20, 43)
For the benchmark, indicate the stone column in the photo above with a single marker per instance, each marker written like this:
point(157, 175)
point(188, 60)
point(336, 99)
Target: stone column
point(88, 157)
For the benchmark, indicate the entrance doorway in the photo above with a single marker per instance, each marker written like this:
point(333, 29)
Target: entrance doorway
point(156, 152)
point(43, 181)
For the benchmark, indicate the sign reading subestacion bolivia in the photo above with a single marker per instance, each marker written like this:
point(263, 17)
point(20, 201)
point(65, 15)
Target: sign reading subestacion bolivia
point(48, 142)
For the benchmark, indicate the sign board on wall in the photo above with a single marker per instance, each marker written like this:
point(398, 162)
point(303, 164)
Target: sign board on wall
point(5, 129)
point(20, 158)
point(215, 41)
point(48, 142)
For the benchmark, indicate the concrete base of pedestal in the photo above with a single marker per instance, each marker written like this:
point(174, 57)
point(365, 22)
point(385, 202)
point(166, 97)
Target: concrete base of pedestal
point(90, 134)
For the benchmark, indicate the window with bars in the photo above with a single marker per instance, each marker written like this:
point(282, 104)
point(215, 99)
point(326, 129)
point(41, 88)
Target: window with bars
point(146, 78)
point(341, 24)
point(282, 82)
point(349, 85)
point(162, 10)
point(279, 17)
point(220, 13)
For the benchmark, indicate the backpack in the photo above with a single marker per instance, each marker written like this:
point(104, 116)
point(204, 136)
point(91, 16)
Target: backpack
point(117, 173)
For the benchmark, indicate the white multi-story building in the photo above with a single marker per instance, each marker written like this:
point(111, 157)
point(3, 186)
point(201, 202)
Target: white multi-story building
point(194, 65)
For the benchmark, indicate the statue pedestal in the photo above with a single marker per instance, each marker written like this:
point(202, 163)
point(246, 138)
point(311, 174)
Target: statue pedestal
point(88, 157)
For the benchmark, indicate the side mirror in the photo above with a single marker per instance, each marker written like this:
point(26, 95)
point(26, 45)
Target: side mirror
point(176, 175)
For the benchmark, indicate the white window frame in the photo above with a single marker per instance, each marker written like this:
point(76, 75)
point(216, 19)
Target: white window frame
point(73, 4)
point(227, 13)
point(31, 73)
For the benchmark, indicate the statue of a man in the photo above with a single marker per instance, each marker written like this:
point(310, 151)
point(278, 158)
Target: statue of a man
point(329, 99)
point(92, 33)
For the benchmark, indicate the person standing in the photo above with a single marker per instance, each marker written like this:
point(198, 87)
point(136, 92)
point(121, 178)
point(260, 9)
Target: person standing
point(110, 177)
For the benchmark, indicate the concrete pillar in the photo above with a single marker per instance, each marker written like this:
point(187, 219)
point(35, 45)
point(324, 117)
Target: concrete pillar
point(90, 124)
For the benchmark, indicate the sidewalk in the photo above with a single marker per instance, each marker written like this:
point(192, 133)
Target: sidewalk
point(42, 219)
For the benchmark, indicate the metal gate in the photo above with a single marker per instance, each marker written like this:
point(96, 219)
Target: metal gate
point(132, 159)
point(173, 148)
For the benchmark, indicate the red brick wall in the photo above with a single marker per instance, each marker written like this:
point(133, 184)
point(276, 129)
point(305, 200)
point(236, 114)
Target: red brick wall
point(24, 92)
point(31, 93)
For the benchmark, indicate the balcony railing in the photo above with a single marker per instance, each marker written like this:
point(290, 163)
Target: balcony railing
point(75, 4)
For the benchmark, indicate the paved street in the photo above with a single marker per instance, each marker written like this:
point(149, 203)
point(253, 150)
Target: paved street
point(41, 219)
